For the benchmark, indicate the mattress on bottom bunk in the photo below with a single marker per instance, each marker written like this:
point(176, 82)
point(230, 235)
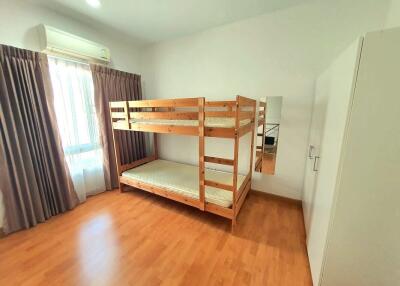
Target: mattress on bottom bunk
point(183, 179)
point(215, 122)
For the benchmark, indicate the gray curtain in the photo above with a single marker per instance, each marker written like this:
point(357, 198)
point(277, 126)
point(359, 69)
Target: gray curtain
point(112, 85)
point(34, 177)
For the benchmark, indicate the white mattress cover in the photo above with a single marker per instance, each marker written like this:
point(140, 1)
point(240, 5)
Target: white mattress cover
point(221, 122)
point(183, 179)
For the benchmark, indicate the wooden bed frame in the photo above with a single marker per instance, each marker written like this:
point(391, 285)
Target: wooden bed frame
point(261, 122)
point(177, 109)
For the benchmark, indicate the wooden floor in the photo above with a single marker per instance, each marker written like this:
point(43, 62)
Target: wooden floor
point(135, 238)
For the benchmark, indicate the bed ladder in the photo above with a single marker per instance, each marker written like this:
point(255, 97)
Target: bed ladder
point(203, 159)
point(237, 195)
point(222, 161)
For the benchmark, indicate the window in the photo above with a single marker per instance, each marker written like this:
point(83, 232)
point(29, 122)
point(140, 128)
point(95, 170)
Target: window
point(76, 118)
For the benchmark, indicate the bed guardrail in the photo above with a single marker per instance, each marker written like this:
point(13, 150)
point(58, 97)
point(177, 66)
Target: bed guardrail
point(132, 115)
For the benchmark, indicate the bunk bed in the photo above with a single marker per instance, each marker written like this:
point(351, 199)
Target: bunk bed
point(262, 109)
point(219, 192)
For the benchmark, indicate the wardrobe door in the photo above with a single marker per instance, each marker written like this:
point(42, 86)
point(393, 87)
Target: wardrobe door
point(342, 77)
point(364, 240)
point(316, 130)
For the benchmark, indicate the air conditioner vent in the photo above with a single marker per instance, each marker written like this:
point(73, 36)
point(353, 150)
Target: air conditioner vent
point(55, 41)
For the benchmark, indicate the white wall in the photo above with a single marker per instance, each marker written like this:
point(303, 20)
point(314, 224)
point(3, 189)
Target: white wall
point(219, 64)
point(277, 54)
point(18, 22)
point(19, 19)
point(393, 16)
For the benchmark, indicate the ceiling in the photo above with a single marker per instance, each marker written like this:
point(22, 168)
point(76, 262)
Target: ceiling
point(149, 21)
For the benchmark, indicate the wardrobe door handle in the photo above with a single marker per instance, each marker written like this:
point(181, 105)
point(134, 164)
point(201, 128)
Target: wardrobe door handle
point(316, 158)
point(310, 149)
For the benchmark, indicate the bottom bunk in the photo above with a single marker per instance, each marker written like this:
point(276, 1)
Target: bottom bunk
point(180, 182)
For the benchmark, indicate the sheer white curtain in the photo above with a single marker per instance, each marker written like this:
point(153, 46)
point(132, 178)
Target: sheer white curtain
point(76, 117)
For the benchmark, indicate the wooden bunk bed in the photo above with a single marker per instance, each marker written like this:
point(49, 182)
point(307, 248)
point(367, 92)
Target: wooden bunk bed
point(261, 122)
point(218, 192)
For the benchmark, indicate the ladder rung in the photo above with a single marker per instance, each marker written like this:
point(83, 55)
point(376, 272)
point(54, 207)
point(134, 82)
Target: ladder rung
point(218, 185)
point(216, 160)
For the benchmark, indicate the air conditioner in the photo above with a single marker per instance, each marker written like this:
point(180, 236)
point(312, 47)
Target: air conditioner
point(57, 42)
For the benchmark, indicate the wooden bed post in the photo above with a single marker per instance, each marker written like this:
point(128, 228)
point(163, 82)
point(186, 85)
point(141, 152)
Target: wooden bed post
point(155, 146)
point(262, 111)
point(235, 160)
point(116, 144)
point(264, 125)
point(252, 141)
point(262, 143)
point(201, 154)
point(155, 141)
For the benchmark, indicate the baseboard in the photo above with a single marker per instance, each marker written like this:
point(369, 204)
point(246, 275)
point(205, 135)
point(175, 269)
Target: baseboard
point(289, 200)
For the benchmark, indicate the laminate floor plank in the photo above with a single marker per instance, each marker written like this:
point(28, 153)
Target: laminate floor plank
point(136, 238)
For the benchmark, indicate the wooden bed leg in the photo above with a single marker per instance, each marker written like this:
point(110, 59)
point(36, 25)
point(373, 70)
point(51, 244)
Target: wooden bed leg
point(235, 163)
point(121, 187)
point(233, 224)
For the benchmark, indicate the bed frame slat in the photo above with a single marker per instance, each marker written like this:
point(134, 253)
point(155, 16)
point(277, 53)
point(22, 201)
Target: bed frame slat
point(218, 185)
point(117, 104)
point(241, 199)
point(118, 115)
point(160, 191)
point(170, 129)
point(244, 101)
point(243, 186)
point(137, 163)
point(219, 132)
point(246, 115)
point(220, 114)
point(165, 115)
point(218, 210)
point(179, 102)
point(120, 125)
point(226, 103)
point(217, 160)
point(245, 129)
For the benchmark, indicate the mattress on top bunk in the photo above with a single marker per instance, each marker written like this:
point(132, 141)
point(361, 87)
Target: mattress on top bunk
point(183, 179)
point(216, 122)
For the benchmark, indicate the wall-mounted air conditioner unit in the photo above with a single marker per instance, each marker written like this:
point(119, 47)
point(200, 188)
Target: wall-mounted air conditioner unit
point(57, 42)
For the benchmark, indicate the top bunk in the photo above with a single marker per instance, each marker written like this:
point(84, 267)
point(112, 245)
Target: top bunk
point(186, 116)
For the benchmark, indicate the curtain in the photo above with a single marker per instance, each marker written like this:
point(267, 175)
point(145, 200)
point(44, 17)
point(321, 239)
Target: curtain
point(112, 85)
point(76, 116)
point(35, 181)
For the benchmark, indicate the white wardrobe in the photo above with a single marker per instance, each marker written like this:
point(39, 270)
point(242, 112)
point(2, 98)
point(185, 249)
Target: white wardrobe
point(351, 196)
